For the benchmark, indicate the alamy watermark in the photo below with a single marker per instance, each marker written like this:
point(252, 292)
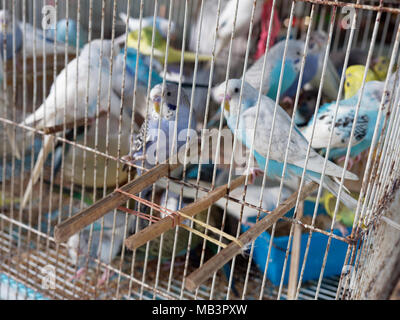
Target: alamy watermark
point(49, 17)
point(349, 16)
point(49, 277)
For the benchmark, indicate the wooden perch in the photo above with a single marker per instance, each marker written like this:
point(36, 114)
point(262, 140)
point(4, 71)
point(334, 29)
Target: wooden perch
point(69, 227)
point(66, 229)
point(219, 260)
point(153, 231)
point(295, 255)
point(72, 124)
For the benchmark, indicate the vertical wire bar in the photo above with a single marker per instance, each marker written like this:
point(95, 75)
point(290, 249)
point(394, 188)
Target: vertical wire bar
point(101, 105)
point(145, 132)
point(134, 105)
point(32, 140)
point(267, 46)
point(210, 79)
point(174, 139)
point(201, 150)
point(127, 218)
point(333, 15)
point(6, 127)
point(271, 133)
point(217, 152)
point(375, 31)
point(101, 55)
point(85, 130)
point(290, 133)
point(384, 34)
point(367, 28)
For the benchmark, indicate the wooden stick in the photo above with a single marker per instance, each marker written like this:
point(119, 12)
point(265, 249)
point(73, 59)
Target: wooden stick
point(71, 125)
point(66, 229)
point(295, 255)
point(165, 224)
point(219, 260)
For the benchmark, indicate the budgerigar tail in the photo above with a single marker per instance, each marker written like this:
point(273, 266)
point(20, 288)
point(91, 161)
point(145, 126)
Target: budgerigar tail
point(191, 56)
point(12, 141)
point(47, 143)
point(333, 187)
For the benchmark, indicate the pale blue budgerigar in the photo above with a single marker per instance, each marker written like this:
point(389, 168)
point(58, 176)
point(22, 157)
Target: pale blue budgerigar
point(35, 40)
point(297, 149)
point(365, 126)
point(10, 29)
point(270, 82)
point(158, 139)
point(273, 65)
point(60, 102)
point(161, 24)
point(111, 240)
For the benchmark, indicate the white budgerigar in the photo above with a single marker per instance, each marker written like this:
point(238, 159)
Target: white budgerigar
point(60, 103)
point(243, 18)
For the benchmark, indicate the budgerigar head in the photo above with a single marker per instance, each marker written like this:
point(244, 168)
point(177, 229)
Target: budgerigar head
point(165, 101)
point(317, 41)
point(380, 66)
point(294, 52)
point(354, 78)
point(162, 27)
point(5, 19)
point(374, 90)
point(230, 101)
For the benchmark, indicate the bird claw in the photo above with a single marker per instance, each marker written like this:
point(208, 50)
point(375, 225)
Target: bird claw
point(79, 273)
point(104, 277)
point(130, 159)
point(254, 173)
point(350, 163)
point(342, 228)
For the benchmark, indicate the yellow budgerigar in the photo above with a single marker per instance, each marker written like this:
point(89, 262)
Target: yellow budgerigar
point(354, 78)
point(380, 66)
point(160, 44)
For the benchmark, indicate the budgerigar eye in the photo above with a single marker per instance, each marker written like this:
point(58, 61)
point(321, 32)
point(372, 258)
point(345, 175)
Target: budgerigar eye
point(236, 90)
point(168, 94)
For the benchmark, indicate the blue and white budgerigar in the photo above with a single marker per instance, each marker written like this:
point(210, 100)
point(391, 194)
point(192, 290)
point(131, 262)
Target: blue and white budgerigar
point(365, 125)
point(158, 140)
point(297, 149)
point(59, 104)
point(161, 24)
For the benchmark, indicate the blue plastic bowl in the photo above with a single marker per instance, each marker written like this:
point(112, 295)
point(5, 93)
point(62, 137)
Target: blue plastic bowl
point(335, 260)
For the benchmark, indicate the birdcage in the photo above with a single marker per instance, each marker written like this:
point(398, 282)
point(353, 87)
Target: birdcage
point(86, 88)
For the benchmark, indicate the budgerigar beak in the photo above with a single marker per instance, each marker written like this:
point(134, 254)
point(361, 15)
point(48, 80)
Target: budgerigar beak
point(156, 102)
point(226, 105)
point(226, 102)
point(157, 107)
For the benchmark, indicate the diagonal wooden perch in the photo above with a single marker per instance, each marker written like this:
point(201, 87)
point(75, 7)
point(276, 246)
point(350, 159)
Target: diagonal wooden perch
point(153, 231)
point(69, 227)
point(225, 255)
